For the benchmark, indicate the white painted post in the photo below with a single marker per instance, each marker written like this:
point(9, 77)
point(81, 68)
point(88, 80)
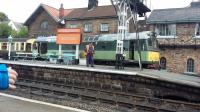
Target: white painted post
point(15, 46)
point(19, 47)
point(60, 51)
point(7, 47)
point(24, 46)
point(0, 46)
point(10, 44)
point(77, 51)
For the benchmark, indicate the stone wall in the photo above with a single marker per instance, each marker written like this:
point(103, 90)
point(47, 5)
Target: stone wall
point(182, 47)
point(177, 59)
point(35, 28)
point(110, 82)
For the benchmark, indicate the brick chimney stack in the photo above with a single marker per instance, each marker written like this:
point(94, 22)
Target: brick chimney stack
point(61, 11)
point(92, 4)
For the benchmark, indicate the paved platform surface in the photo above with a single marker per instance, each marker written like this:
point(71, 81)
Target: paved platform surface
point(155, 74)
point(10, 103)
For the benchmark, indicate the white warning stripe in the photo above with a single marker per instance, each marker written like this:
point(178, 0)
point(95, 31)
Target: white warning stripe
point(43, 103)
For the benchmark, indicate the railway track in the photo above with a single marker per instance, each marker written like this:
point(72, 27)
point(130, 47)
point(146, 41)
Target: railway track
point(136, 103)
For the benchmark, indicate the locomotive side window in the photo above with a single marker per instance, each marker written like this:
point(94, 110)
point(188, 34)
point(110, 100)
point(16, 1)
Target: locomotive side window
point(143, 45)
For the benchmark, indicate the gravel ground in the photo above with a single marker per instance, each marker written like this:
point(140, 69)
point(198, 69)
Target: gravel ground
point(75, 103)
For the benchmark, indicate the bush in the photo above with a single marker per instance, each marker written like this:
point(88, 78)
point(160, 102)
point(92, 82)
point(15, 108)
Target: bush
point(82, 55)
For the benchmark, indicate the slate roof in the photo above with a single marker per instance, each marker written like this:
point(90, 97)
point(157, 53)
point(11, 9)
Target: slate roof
point(100, 11)
point(78, 13)
point(82, 13)
point(176, 15)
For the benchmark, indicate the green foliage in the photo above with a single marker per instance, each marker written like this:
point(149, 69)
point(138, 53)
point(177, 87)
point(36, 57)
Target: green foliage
point(14, 33)
point(5, 30)
point(3, 17)
point(23, 32)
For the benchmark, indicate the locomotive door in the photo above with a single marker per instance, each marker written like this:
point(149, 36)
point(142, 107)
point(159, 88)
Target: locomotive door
point(131, 49)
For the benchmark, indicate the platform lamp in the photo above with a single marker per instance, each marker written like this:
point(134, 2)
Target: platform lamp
point(10, 38)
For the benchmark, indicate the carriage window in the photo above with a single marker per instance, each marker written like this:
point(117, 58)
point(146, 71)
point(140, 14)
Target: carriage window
point(143, 45)
point(4, 46)
point(163, 63)
point(190, 65)
point(149, 42)
point(22, 47)
point(17, 46)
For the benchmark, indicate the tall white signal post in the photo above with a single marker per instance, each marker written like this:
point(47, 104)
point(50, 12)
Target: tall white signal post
point(127, 10)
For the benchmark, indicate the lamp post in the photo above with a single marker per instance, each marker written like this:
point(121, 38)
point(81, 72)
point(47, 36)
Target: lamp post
point(10, 44)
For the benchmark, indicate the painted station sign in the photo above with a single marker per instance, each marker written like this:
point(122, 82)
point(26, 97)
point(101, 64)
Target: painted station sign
point(68, 36)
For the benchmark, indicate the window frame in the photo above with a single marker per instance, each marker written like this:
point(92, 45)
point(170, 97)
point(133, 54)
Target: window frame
point(104, 28)
point(197, 30)
point(190, 65)
point(44, 25)
point(88, 27)
point(73, 25)
point(163, 63)
point(169, 30)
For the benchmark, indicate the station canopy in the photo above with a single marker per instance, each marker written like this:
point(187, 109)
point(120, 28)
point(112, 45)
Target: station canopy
point(50, 39)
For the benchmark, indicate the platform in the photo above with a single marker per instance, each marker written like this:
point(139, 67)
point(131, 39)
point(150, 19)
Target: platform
point(10, 103)
point(149, 73)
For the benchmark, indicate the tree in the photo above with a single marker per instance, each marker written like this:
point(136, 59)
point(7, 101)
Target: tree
point(5, 30)
point(3, 17)
point(23, 32)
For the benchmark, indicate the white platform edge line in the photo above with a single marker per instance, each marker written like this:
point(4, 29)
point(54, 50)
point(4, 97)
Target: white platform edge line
point(43, 103)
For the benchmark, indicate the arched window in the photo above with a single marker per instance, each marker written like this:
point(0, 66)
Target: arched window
point(190, 65)
point(44, 25)
point(163, 62)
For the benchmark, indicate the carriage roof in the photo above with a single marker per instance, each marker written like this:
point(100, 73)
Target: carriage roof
point(113, 37)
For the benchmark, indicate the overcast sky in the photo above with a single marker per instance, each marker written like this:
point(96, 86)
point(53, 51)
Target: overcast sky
point(20, 10)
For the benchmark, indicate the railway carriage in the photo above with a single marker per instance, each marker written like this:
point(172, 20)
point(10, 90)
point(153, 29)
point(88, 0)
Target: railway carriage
point(105, 48)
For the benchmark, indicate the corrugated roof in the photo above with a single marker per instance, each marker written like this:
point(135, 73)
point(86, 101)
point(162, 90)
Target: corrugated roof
point(177, 15)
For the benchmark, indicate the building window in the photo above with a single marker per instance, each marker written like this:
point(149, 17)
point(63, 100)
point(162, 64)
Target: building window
point(197, 29)
point(166, 29)
point(44, 25)
point(163, 63)
point(88, 27)
point(104, 27)
point(190, 65)
point(73, 25)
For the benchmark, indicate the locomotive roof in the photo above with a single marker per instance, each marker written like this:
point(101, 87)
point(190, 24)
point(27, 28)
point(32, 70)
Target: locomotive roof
point(113, 37)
